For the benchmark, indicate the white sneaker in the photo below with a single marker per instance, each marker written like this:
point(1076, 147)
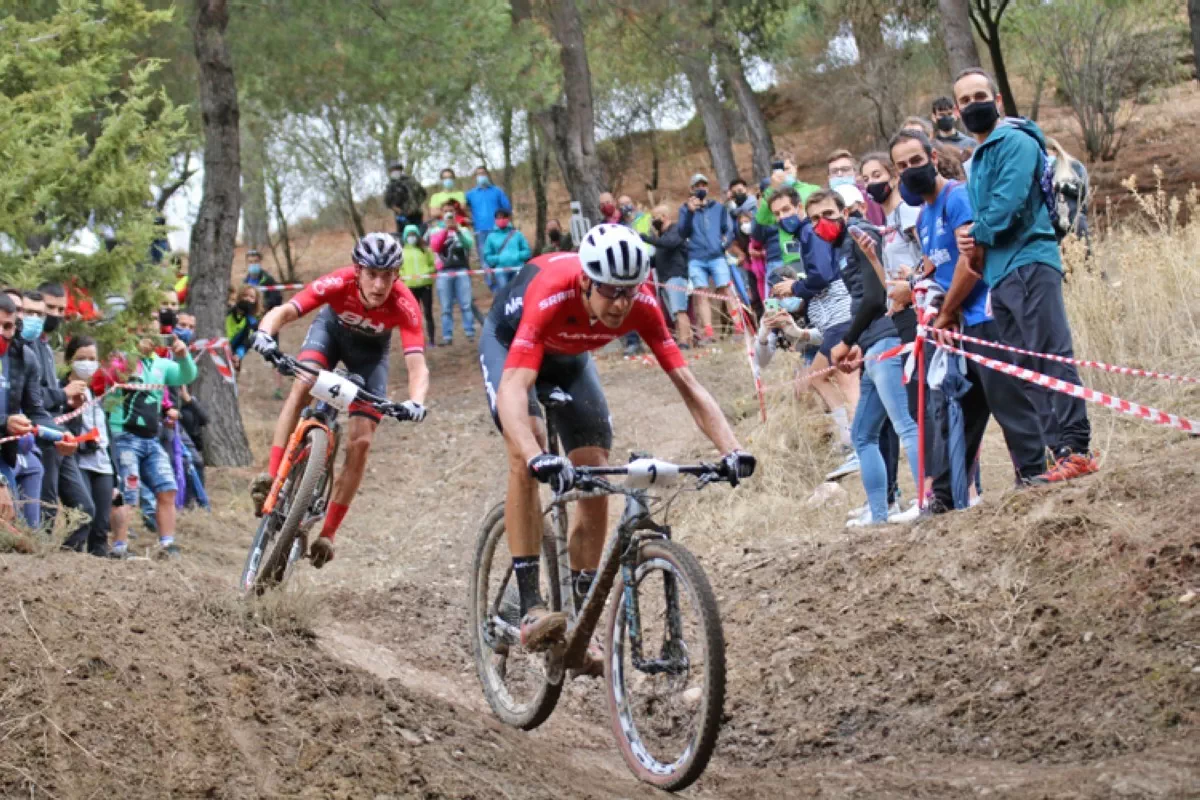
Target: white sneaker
point(898, 517)
point(848, 467)
point(858, 512)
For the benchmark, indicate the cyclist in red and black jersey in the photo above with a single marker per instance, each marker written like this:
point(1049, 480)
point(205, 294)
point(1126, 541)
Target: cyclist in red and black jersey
point(360, 307)
point(541, 329)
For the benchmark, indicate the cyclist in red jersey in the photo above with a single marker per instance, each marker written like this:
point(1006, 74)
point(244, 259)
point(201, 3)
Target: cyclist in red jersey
point(360, 306)
point(540, 330)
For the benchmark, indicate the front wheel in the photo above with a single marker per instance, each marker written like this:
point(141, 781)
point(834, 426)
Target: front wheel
point(666, 687)
point(521, 687)
point(297, 496)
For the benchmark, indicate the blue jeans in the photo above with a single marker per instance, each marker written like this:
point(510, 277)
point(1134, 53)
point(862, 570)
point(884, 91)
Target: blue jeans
point(27, 477)
point(882, 396)
point(454, 288)
point(142, 460)
point(489, 279)
point(700, 270)
point(502, 278)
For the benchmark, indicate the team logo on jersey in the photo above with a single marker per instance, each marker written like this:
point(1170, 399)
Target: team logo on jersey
point(327, 284)
point(556, 298)
point(352, 320)
point(513, 305)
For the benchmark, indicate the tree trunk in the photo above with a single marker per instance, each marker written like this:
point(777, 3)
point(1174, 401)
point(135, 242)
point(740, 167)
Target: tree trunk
point(958, 36)
point(716, 133)
point(571, 127)
point(215, 229)
point(255, 226)
point(1039, 86)
point(506, 141)
point(284, 240)
point(1194, 19)
point(537, 176)
point(987, 25)
point(761, 146)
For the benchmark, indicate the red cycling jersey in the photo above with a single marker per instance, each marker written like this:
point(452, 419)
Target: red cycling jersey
point(340, 291)
point(554, 318)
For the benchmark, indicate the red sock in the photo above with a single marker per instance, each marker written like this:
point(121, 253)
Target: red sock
point(333, 519)
point(276, 460)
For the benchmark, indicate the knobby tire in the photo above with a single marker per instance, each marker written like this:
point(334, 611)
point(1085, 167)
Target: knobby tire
point(275, 566)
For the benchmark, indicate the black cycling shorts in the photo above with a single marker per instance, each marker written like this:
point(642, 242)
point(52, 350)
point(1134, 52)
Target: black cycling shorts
point(584, 422)
point(328, 343)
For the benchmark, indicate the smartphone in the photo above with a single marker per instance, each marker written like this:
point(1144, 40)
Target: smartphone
point(777, 165)
point(772, 305)
point(168, 339)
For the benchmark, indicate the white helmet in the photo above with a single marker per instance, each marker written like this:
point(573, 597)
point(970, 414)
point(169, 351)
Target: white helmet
point(378, 251)
point(614, 254)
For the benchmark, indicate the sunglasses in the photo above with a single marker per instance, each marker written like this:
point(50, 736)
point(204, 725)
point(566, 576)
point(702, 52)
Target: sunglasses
point(609, 292)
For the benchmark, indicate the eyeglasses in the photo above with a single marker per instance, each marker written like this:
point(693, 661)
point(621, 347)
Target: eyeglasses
point(610, 292)
point(841, 172)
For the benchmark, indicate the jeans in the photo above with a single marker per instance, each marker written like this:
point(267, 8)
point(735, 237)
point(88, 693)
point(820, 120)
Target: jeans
point(882, 396)
point(1030, 314)
point(143, 460)
point(454, 288)
point(64, 482)
point(100, 485)
point(702, 269)
point(28, 477)
point(677, 296)
point(489, 278)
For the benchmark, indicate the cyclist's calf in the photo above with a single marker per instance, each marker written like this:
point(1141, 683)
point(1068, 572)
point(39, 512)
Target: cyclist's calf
point(358, 445)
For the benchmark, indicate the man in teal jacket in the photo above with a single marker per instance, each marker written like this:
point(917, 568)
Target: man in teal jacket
point(134, 420)
point(506, 249)
point(1014, 245)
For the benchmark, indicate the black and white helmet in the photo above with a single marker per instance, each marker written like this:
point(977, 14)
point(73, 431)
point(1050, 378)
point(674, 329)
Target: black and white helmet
point(378, 251)
point(614, 254)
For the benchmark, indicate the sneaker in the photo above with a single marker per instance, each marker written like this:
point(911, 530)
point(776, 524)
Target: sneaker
point(320, 552)
point(898, 517)
point(170, 551)
point(708, 333)
point(122, 554)
point(1069, 467)
point(848, 467)
point(447, 342)
point(540, 627)
point(853, 513)
point(260, 488)
point(863, 522)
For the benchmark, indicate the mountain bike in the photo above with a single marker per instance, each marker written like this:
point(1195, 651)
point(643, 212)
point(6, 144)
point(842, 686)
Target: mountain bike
point(302, 488)
point(664, 664)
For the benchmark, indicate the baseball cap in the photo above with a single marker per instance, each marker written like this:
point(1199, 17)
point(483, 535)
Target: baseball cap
point(850, 194)
point(698, 178)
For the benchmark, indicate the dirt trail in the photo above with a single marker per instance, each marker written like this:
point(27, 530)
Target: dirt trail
point(1036, 646)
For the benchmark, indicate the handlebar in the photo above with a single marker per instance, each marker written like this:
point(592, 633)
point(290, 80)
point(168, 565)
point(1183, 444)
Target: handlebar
point(289, 366)
point(646, 473)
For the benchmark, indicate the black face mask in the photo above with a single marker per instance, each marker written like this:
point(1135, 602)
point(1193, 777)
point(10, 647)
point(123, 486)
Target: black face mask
point(658, 224)
point(739, 197)
point(945, 124)
point(879, 190)
point(920, 180)
point(167, 317)
point(554, 235)
point(51, 323)
point(980, 117)
point(245, 308)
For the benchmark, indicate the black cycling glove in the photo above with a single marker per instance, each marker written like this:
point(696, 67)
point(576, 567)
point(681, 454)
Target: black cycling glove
point(738, 465)
point(553, 470)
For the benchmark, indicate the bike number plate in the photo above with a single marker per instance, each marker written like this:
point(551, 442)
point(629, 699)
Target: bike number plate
point(647, 472)
point(335, 390)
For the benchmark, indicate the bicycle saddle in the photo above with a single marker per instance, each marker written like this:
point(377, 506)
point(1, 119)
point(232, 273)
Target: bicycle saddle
point(553, 396)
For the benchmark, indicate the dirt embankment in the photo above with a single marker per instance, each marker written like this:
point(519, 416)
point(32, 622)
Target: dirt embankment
point(1040, 645)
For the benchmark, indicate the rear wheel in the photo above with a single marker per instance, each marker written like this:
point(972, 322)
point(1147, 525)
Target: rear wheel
point(301, 494)
point(521, 687)
point(665, 708)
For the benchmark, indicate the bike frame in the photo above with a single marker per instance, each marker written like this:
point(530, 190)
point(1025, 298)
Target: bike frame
point(308, 421)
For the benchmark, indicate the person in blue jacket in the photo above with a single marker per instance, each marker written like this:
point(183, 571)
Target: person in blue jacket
point(709, 230)
point(506, 249)
point(1013, 246)
point(485, 200)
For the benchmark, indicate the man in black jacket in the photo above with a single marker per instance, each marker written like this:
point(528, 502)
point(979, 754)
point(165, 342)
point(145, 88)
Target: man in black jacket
point(405, 197)
point(671, 269)
point(20, 397)
point(63, 480)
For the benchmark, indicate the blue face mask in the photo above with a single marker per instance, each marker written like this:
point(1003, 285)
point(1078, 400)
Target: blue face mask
point(482, 180)
point(841, 180)
point(31, 327)
point(790, 304)
point(791, 224)
point(448, 183)
point(185, 335)
point(254, 269)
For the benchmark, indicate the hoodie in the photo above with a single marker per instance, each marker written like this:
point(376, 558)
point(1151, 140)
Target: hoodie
point(506, 248)
point(419, 268)
point(1011, 218)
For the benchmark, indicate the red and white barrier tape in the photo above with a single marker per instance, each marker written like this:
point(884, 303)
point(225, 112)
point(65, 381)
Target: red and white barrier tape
point(1152, 415)
point(1136, 372)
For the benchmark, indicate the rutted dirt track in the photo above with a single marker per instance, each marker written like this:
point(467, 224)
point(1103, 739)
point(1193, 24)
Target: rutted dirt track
point(1036, 646)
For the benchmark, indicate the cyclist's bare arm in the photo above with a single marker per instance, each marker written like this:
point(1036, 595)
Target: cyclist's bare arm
point(704, 410)
point(512, 406)
point(277, 318)
point(418, 377)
